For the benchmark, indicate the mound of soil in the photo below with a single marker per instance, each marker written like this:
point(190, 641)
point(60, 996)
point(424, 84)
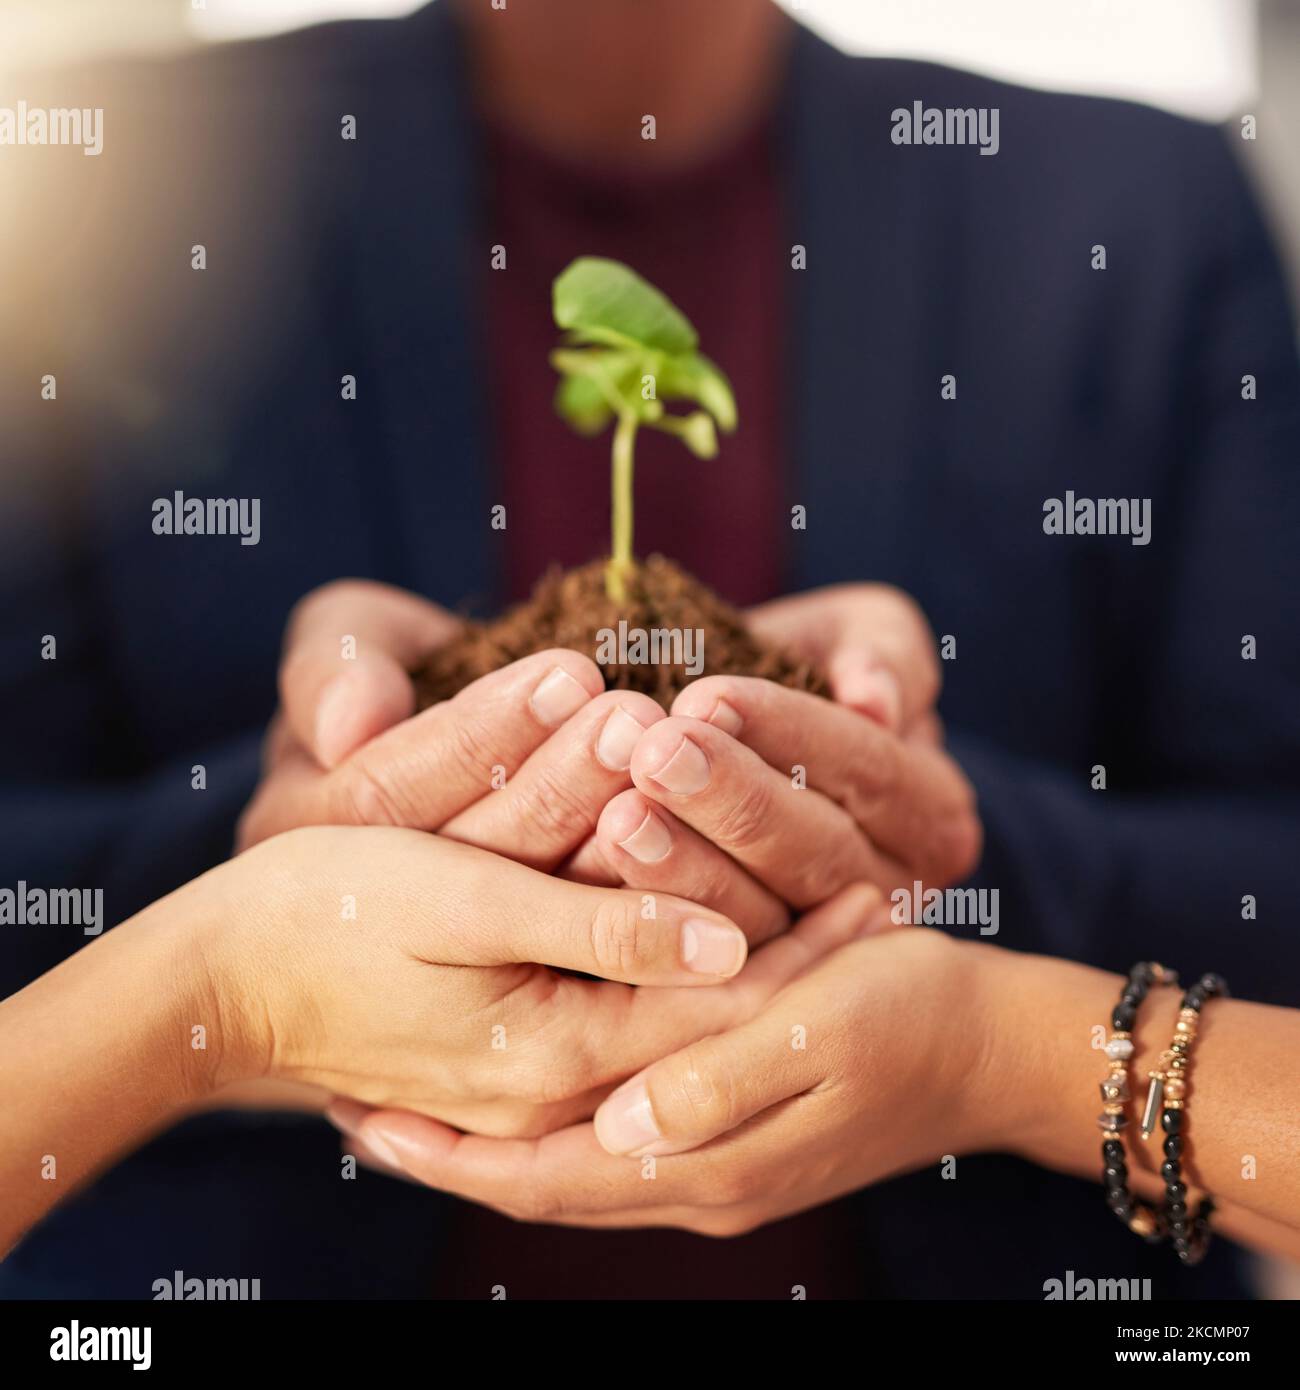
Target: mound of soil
point(569, 608)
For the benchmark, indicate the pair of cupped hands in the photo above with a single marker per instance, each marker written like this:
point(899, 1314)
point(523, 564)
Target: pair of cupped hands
point(568, 956)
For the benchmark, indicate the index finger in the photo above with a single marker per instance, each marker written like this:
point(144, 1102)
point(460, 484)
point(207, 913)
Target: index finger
point(911, 798)
point(429, 768)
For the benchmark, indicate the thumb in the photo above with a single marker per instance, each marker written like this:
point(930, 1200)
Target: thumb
point(520, 916)
point(705, 1090)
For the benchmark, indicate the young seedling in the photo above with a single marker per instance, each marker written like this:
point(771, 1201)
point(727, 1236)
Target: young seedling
point(627, 354)
point(628, 349)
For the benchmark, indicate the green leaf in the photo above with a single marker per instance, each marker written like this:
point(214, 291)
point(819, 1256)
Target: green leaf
point(693, 377)
point(694, 430)
point(594, 296)
point(580, 401)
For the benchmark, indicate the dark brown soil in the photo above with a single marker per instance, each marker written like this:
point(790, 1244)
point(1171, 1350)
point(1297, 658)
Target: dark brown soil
point(569, 608)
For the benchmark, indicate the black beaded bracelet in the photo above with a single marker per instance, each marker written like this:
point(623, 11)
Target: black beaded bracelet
point(1189, 1232)
point(1140, 1217)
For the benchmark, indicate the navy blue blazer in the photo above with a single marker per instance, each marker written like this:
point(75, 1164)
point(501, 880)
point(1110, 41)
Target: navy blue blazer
point(328, 257)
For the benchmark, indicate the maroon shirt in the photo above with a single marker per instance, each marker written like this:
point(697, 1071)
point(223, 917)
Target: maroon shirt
point(710, 238)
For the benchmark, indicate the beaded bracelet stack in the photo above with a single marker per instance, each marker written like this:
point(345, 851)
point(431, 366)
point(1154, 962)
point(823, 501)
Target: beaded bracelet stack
point(1188, 1232)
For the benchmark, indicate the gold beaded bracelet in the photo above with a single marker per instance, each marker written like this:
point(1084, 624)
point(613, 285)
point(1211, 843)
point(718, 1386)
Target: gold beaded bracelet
point(1188, 1230)
point(1168, 1079)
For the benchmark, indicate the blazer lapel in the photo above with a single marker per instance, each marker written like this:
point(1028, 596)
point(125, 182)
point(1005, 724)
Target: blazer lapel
point(412, 230)
point(846, 203)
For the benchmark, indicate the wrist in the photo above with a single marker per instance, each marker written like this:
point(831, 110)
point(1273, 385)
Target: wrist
point(1032, 1021)
point(991, 1101)
point(961, 1083)
point(194, 935)
point(1048, 1022)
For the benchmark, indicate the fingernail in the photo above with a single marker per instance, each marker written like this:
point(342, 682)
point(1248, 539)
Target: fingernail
point(650, 841)
point(710, 948)
point(726, 718)
point(686, 772)
point(625, 1122)
point(557, 697)
point(379, 1145)
point(617, 740)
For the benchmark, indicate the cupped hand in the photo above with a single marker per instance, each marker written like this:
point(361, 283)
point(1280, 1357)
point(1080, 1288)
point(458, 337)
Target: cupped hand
point(404, 969)
point(753, 799)
point(869, 1064)
point(758, 797)
point(520, 762)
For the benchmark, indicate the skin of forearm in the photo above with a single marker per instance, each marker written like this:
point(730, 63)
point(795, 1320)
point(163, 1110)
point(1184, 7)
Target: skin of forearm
point(99, 1054)
point(1242, 1107)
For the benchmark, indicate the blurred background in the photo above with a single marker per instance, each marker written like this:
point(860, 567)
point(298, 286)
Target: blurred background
point(1209, 59)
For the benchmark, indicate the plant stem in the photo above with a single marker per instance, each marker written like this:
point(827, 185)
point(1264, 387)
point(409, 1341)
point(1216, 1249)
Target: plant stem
point(620, 562)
